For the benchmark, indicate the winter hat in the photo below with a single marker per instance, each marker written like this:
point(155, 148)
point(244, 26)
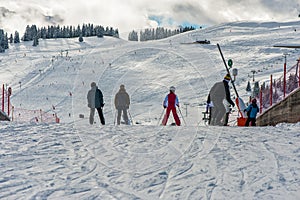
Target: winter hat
point(253, 101)
point(93, 84)
point(227, 77)
point(172, 88)
point(122, 86)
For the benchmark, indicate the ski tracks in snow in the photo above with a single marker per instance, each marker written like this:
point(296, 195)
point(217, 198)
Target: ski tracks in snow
point(77, 161)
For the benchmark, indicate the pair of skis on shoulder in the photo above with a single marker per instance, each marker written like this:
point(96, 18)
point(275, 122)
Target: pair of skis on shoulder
point(239, 101)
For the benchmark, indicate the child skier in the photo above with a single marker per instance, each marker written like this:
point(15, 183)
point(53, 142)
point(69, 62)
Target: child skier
point(170, 102)
point(252, 111)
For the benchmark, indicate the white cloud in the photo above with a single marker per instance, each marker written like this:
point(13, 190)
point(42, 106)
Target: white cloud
point(127, 15)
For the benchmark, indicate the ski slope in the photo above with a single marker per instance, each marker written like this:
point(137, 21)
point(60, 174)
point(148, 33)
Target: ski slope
point(74, 160)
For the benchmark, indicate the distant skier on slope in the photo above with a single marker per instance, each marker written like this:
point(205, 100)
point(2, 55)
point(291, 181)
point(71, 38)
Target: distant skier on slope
point(95, 101)
point(170, 102)
point(122, 102)
point(252, 111)
point(219, 100)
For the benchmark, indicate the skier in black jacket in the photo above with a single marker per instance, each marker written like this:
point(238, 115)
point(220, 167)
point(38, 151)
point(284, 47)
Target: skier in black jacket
point(227, 101)
point(95, 101)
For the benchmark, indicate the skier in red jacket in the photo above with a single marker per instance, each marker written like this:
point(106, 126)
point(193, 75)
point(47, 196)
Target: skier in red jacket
point(170, 102)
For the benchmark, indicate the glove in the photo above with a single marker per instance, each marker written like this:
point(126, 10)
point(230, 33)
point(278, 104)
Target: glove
point(102, 104)
point(177, 105)
point(233, 104)
point(165, 106)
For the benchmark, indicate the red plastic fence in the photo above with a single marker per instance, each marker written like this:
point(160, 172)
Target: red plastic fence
point(279, 88)
point(24, 115)
point(37, 116)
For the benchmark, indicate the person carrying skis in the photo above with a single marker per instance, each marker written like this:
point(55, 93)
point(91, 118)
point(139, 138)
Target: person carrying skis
point(227, 100)
point(170, 102)
point(252, 111)
point(219, 100)
point(122, 102)
point(95, 101)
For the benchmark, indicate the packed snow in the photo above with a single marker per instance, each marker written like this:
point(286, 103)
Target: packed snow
point(75, 160)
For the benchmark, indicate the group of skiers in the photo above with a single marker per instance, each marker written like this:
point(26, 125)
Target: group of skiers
point(95, 101)
point(122, 102)
point(218, 103)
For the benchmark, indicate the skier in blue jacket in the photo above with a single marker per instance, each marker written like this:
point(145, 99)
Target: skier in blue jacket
point(252, 111)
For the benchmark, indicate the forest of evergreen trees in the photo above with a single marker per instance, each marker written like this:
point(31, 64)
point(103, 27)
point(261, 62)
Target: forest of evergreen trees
point(87, 30)
point(32, 33)
point(156, 34)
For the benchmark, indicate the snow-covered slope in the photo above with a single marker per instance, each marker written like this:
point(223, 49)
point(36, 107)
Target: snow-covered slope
point(74, 160)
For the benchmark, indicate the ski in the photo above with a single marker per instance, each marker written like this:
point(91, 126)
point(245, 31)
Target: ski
point(239, 101)
point(228, 71)
point(241, 106)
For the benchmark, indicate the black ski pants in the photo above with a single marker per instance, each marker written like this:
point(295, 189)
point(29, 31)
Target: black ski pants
point(252, 120)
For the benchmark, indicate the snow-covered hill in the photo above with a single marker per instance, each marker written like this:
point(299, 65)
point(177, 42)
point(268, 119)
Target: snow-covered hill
point(74, 160)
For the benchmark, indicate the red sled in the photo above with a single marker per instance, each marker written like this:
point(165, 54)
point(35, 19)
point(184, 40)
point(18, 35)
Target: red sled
point(241, 121)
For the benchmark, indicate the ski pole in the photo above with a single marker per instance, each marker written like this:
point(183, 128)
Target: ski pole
point(115, 117)
point(160, 116)
point(130, 118)
point(181, 115)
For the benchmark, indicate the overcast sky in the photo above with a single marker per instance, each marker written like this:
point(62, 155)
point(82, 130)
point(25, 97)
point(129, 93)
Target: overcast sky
point(128, 15)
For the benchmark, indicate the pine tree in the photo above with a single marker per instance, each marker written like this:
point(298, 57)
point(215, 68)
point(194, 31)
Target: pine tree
point(77, 31)
point(27, 34)
point(263, 86)
point(3, 41)
point(83, 31)
point(16, 37)
point(275, 95)
point(30, 33)
point(116, 33)
point(11, 39)
point(56, 31)
point(256, 89)
point(291, 83)
point(133, 36)
point(99, 32)
point(43, 33)
point(35, 41)
point(2, 49)
point(248, 88)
